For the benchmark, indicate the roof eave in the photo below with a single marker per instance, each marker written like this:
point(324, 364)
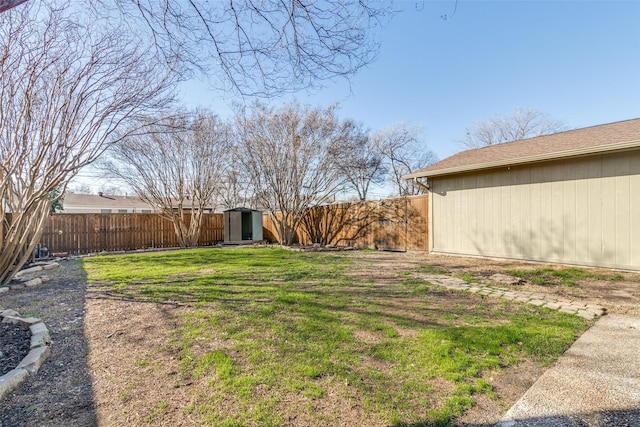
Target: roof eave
point(523, 160)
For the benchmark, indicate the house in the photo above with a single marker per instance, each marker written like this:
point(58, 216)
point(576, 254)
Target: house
point(571, 197)
point(103, 203)
point(107, 204)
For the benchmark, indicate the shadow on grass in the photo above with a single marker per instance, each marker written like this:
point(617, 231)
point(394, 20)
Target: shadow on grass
point(295, 301)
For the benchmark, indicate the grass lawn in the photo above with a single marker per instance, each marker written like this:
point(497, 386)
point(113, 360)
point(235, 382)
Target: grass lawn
point(567, 276)
point(274, 337)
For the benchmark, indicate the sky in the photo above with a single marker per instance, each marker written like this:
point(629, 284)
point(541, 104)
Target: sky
point(446, 66)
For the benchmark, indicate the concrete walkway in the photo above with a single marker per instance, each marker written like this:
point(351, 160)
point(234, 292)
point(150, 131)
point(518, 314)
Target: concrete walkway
point(595, 383)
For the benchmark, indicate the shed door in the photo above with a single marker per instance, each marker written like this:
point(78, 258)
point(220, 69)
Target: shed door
point(235, 226)
point(257, 226)
point(247, 226)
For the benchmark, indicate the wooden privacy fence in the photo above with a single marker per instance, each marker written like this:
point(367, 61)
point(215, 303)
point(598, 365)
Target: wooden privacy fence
point(390, 224)
point(90, 233)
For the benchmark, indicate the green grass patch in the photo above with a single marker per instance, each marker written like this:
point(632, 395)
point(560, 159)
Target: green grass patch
point(432, 269)
point(156, 413)
point(468, 278)
point(270, 333)
point(563, 276)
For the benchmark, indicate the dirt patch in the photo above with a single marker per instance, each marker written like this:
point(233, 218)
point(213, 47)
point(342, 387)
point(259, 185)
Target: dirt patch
point(509, 385)
point(621, 294)
point(369, 337)
point(143, 388)
point(117, 364)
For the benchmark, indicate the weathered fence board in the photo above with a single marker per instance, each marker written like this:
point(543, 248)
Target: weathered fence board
point(89, 233)
point(391, 224)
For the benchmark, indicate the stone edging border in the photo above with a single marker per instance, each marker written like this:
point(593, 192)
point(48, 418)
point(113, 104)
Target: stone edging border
point(36, 268)
point(38, 353)
point(20, 281)
point(583, 310)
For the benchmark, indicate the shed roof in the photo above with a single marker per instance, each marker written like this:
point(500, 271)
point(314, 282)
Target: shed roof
point(241, 209)
point(578, 142)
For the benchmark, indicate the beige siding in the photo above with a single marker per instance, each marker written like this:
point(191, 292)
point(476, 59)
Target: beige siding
point(585, 211)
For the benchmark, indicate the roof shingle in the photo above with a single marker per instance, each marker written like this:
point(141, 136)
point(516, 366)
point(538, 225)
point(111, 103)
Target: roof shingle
point(607, 137)
point(74, 200)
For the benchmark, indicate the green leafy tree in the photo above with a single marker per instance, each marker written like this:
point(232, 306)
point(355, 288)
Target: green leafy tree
point(56, 196)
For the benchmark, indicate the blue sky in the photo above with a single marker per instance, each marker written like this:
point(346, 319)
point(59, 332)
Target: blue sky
point(578, 61)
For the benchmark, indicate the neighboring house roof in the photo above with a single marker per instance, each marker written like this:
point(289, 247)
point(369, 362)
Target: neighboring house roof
point(578, 142)
point(75, 202)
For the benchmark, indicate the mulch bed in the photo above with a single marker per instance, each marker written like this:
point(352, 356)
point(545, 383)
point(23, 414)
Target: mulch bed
point(14, 346)
point(61, 394)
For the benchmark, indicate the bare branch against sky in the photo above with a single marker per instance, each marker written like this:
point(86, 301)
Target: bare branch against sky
point(403, 151)
point(255, 48)
point(8, 4)
point(519, 124)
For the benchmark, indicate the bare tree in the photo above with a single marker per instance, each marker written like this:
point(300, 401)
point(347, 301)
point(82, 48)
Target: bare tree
point(65, 89)
point(288, 156)
point(177, 168)
point(256, 48)
point(8, 4)
point(80, 188)
point(521, 123)
point(267, 47)
point(403, 152)
point(360, 160)
point(235, 190)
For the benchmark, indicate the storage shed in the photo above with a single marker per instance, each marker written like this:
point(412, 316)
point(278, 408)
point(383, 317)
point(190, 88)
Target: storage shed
point(242, 225)
point(571, 197)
